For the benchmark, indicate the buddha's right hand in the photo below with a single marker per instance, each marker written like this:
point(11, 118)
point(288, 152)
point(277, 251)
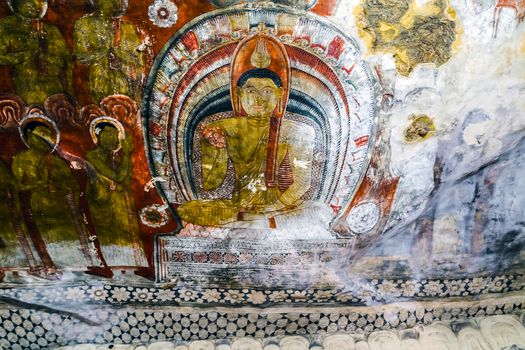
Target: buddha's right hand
point(214, 135)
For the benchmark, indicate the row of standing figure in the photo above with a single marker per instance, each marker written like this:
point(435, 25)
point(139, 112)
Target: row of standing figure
point(112, 48)
point(53, 223)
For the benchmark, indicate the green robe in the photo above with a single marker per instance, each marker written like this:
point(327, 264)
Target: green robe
point(247, 140)
point(113, 210)
point(11, 254)
point(94, 46)
point(40, 69)
point(54, 204)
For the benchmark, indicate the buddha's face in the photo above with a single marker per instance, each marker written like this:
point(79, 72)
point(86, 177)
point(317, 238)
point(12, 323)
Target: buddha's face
point(31, 9)
point(259, 96)
point(109, 138)
point(112, 8)
point(41, 139)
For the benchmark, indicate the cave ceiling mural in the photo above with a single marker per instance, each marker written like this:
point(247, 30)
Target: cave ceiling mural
point(217, 169)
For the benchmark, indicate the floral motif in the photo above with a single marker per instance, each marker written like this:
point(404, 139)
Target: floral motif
point(233, 296)
point(410, 288)
point(323, 295)
point(432, 288)
point(256, 297)
point(498, 284)
point(165, 295)
point(120, 294)
point(276, 259)
point(389, 289)
point(211, 295)
point(154, 215)
point(518, 282)
point(344, 297)
point(200, 257)
point(455, 287)
point(278, 295)
point(142, 294)
point(365, 295)
point(476, 285)
point(187, 295)
point(298, 296)
point(180, 256)
point(230, 259)
point(245, 258)
point(75, 294)
point(216, 257)
point(163, 13)
point(98, 293)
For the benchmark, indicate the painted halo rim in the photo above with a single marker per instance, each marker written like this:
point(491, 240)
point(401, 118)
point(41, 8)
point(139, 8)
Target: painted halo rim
point(106, 119)
point(38, 116)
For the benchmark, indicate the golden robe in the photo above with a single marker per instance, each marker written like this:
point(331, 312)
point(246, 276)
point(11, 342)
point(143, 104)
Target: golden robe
point(246, 148)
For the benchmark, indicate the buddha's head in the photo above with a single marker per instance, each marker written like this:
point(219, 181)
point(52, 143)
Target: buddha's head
point(108, 136)
point(30, 9)
point(40, 137)
point(111, 8)
point(260, 90)
point(260, 76)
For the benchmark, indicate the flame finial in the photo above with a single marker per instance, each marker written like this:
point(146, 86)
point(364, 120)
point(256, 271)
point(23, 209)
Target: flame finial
point(260, 57)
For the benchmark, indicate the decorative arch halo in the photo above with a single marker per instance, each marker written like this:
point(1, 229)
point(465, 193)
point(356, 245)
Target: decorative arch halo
point(105, 119)
point(334, 87)
point(38, 116)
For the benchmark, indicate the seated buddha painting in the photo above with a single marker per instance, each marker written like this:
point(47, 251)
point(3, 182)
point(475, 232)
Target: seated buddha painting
point(262, 174)
point(260, 159)
point(257, 134)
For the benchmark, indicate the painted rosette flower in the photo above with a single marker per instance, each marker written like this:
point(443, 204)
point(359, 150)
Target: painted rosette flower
point(518, 283)
point(98, 293)
point(187, 295)
point(455, 287)
point(476, 285)
point(298, 296)
point(51, 296)
point(432, 288)
point(165, 295)
point(497, 285)
point(211, 295)
point(323, 295)
point(142, 294)
point(120, 294)
point(410, 288)
point(233, 296)
point(163, 13)
point(278, 296)
point(154, 215)
point(345, 297)
point(256, 297)
point(389, 289)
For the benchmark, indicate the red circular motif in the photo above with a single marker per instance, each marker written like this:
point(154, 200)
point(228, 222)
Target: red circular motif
point(200, 257)
point(216, 257)
point(230, 259)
